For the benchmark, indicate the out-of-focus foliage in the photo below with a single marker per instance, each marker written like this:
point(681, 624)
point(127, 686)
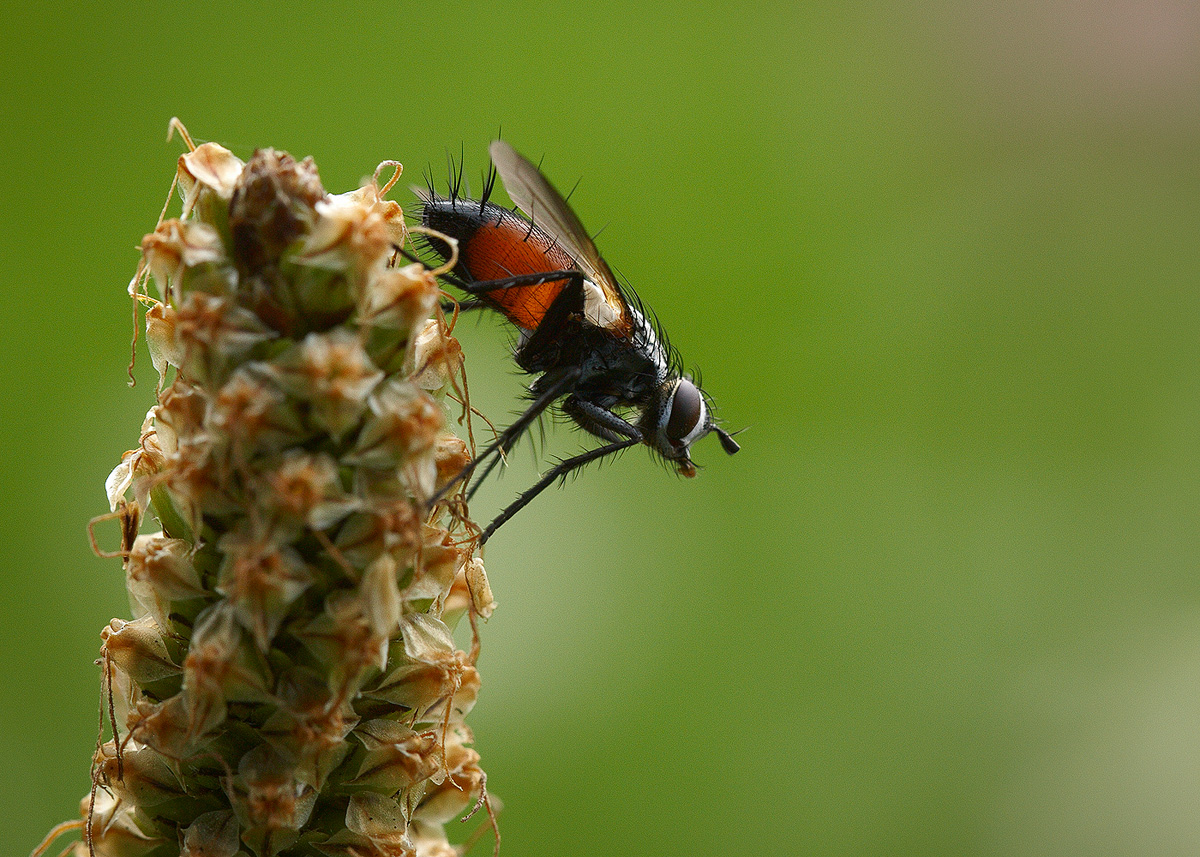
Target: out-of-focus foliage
point(944, 265)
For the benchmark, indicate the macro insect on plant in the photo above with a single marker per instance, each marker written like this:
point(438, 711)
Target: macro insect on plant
point(596, 349)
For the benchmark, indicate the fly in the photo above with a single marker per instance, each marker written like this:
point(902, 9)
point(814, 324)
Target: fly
point(594, 347)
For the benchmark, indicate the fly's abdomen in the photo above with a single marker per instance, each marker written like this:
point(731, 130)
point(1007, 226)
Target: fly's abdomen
point(493, 244)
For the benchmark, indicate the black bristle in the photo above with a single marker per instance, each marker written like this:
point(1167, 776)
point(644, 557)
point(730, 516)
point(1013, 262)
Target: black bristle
point(489, 185)
point(567, 198)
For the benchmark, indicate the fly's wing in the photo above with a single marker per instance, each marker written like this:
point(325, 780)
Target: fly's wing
point(534, 195)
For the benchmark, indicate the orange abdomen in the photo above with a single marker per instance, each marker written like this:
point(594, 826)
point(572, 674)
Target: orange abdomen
point(508, 247)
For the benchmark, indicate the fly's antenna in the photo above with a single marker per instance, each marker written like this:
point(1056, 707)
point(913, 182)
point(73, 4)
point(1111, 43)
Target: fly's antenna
point(727, 442)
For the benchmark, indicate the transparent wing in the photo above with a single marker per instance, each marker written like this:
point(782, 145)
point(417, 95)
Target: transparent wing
point(534, 195)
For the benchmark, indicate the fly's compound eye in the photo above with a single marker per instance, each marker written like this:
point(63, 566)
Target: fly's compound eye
point(686, 419)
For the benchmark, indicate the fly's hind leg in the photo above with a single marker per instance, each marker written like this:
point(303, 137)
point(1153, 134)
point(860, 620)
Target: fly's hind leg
point(463, 306)
point(482, 287)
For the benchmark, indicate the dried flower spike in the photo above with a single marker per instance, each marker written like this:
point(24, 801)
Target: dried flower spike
point(289, 682)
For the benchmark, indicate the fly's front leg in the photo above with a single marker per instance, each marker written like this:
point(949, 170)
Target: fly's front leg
point(593, 419)
point(559, 471)
point(599, 421)
point(547, 394)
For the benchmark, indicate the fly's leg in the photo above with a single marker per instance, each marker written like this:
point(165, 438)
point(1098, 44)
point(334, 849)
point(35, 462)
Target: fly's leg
point(599, 421)
point(537, 352)
point(560, 471)
point(463, 306)
point(547, 393)
point(483, 287)
point(593, 419)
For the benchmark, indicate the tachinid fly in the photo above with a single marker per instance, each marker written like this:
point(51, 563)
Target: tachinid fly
point(591, 343)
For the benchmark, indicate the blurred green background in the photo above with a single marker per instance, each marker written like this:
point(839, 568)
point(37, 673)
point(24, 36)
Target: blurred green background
point(942, 259)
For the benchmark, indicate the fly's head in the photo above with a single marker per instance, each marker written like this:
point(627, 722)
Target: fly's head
point(683, 417)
